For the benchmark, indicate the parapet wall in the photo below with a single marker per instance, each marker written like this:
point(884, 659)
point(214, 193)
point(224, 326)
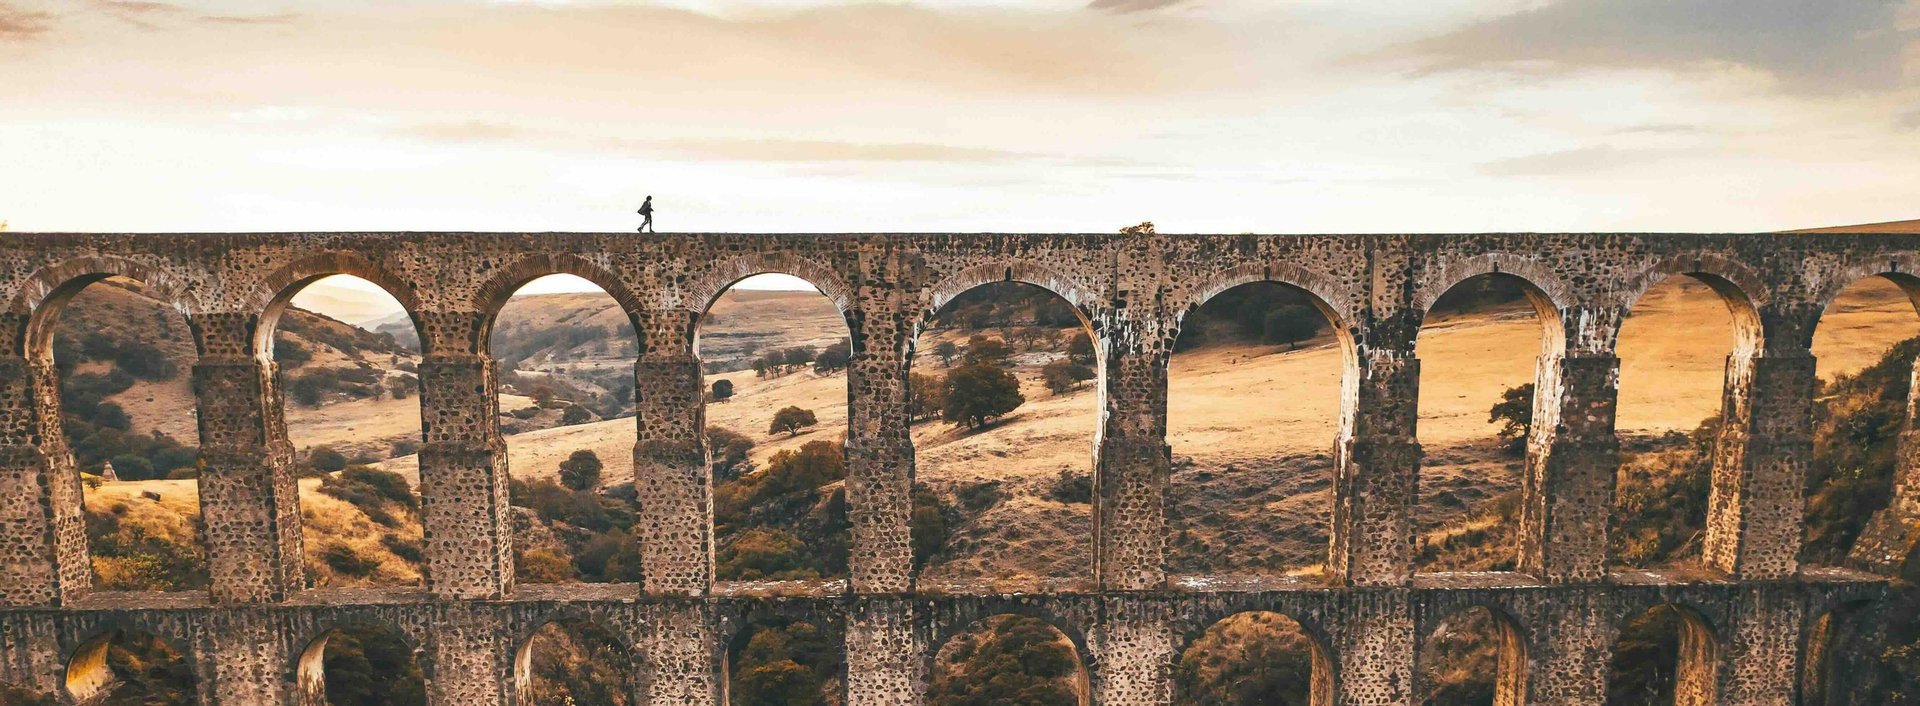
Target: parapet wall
point(247, 636)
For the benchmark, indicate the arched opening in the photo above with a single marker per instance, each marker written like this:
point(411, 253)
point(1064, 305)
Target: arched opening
point(1480, 347)
point(1844, 660)
point(1864, 346)
point(361, 665)
point(1256, 658)
point(1474, 656)
point(1009, 659)
point(775, 352)
point(1670, 405)
point(1665, 655)
point(574, 663)
point(1254, 405)
point(129, 666)
point(345, 359)
point(1012, 370)
point(124, 358)
point(776, 661)
point(565, 351)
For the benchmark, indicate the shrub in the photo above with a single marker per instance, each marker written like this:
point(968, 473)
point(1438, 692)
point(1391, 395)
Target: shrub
point(581, 471)
point(325, 459)
point(1019, 660)
point(791, 420)
point(404, 447)
point(763, 553)
point(346, 562)
point(977, 393)
point(290, 354)
point(575, 414)
point(927, 527)
point(131, 467)
point(112, 416)
point(722, 390)
point(1071, 488)
point(543, 566)
point(373, 491)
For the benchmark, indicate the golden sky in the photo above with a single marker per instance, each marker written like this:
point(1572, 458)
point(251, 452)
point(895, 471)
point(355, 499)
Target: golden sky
point(958, 115)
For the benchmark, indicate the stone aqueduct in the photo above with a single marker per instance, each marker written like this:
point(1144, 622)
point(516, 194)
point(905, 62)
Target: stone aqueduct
point(252, 638)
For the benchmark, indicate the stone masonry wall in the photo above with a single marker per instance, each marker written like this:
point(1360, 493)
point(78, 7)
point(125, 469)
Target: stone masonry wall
point(252, 638)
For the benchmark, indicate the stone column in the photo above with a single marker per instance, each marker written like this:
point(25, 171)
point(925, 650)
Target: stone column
point(687, 665)
point(1376, 459)
point(886, 658)
point(879, 468)
point(472, 662)
point(248, 496)
point(1890, 536)
point(463, 464)
point(1132, 460)
point(1760, 647)
point(1133, 653)
point(1756, 507)
point(671, 472)
point(1573, 458)
point(1375, 648)
point(245, 660)
point(1569, 651)
point(43, 538)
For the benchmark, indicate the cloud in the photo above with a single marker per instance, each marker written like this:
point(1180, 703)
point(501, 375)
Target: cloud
point(796, 151)
point(20, 25)
point(830, 151)
point(1126, 6)
point(1580, 160)
point(1809, 46)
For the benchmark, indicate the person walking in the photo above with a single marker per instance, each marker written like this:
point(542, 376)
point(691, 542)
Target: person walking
point(646, 215)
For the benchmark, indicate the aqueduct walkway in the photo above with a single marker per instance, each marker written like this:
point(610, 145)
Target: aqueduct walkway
point(247, 638)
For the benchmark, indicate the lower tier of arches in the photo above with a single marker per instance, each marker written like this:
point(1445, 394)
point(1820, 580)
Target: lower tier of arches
point(1747, 642)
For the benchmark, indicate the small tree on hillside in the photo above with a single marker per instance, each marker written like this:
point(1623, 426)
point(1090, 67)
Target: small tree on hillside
point(797, 356)
point(926, 396)
point(791, 420)
point(575, 414)
point(833, 358)
point(581, 471)
point(946, 350)
point(977, 393)
point(729, 449)
point(1291, 324)
point(1514, 412)
point(1081, 348)
point(982, 350)
point(722, 390)
point(1061, 376)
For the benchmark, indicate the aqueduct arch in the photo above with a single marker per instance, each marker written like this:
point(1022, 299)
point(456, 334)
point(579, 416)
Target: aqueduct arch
point(259, 616)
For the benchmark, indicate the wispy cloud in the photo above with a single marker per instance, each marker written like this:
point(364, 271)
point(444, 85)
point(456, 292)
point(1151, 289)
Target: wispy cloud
point(20, 25)
point(1809, 46)
point(771, 150)
point(1125, 6)
point(1581, 160)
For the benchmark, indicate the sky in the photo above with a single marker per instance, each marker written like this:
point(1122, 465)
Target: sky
point(1210, 116)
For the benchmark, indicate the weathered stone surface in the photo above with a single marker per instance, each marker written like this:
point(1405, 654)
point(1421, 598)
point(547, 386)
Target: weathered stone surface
point(255, 637)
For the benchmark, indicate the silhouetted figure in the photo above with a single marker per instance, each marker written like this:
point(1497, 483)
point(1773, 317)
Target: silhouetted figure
point(646, 215)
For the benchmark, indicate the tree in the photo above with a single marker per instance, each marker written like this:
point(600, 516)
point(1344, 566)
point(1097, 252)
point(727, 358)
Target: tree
point(978, 392)
point(575, 414)
point(1514, 412)
point(581, 471)
point(791, 420)
point(729, 450)
point(982, 350)
point(797, 356)
point(833, 358)
point(1291, 324)
point(1061, 376)
point(1080, 348)
point(926, 396)
point(722, 390)
point(946, 350)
